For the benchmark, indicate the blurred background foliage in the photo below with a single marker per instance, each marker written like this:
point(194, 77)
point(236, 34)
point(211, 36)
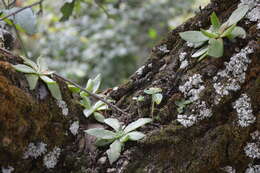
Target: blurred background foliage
point(110, 37)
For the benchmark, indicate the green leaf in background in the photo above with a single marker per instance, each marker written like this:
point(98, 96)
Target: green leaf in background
point(200, 52)
point(26, 19)
point(193, 36)
point(209, 34)
point(152, 33)
point(114, 123)
point(237, 32)
point(114, 151)
point(32, 80)
point(67, 10)
point(157, 98)
point(99, 117)
point(214, 21)
point(228, 31)
point(136, 124)
point(238, 14)
point(24, 68)
point(215, 48)
point(101, 133)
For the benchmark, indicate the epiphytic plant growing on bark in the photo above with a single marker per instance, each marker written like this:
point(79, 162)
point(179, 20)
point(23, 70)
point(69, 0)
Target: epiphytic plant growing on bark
point(156, 96)
point(121, 135)
point(37, 70)
point(215, 34)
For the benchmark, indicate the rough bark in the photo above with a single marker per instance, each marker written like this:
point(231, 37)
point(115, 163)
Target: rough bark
point(212, 143)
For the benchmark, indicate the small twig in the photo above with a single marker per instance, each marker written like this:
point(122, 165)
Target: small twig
point(21, 9)
point(12, 3)
point(93, 95)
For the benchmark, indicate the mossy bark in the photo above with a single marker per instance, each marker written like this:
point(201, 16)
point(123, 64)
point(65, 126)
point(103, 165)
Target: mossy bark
point(208, 146)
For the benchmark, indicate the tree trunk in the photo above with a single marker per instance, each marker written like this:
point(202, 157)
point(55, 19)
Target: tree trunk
point(219, 131)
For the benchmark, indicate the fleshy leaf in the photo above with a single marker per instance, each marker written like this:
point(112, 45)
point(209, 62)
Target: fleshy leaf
point(193, 36)
point(47, 80)
point(55, 90)
point(101, 133)
point(135, 136)
point(200, 52)
point(30, 63)
point(228, 31)
point(32, 80)
point(157, 98)
point(153, 90)
point(214, 21)
point(96, 83)
point(238, 14)
point(103, 142)
point(114, 151)
point(215, 48)
point(99, 117)
point(114, 123)
point(88, 112)
point(85, 102)
point(208, 33)
point(73, 88)
point(24, 68)
point(237, 32)
point(136, 124)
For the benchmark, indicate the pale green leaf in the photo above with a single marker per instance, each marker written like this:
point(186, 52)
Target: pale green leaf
point(209, 34)
point(136, 124)
point(85, 102)
point(153, 90)
point(193, 36)
point(96, 83)
point(214, 21)
point(200, 52)
point(47, 80)
point(101, 133)
point(24, 68)
point(157, 98)
point(237, 32)
point(135, 136)
point(215, 48)
point(88, 112)
point(99, 117)
point(29, 62)
point(32, 80)
point(73, 88)
point(114, 151)
point(228, 31)
point(114, 123)
point(103, 142)
point(238, 14)
point(55, 90)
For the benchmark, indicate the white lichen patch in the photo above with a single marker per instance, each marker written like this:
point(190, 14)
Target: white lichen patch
point(244, 111)
point(252, 149)
point(254, 14)
point(201, 112)
point(35, 150)
point(250, 3)
point(183, 60)
point(9, 169)
point(140, 70)
point(51, 159)
point(74, 127)
point(62, 104)
point(253, 169)
point(233, 75)
point(228, 169)
point(193, 87)
point(163, 48)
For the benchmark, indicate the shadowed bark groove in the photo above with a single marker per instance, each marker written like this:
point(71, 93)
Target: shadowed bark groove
point(35, 129)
